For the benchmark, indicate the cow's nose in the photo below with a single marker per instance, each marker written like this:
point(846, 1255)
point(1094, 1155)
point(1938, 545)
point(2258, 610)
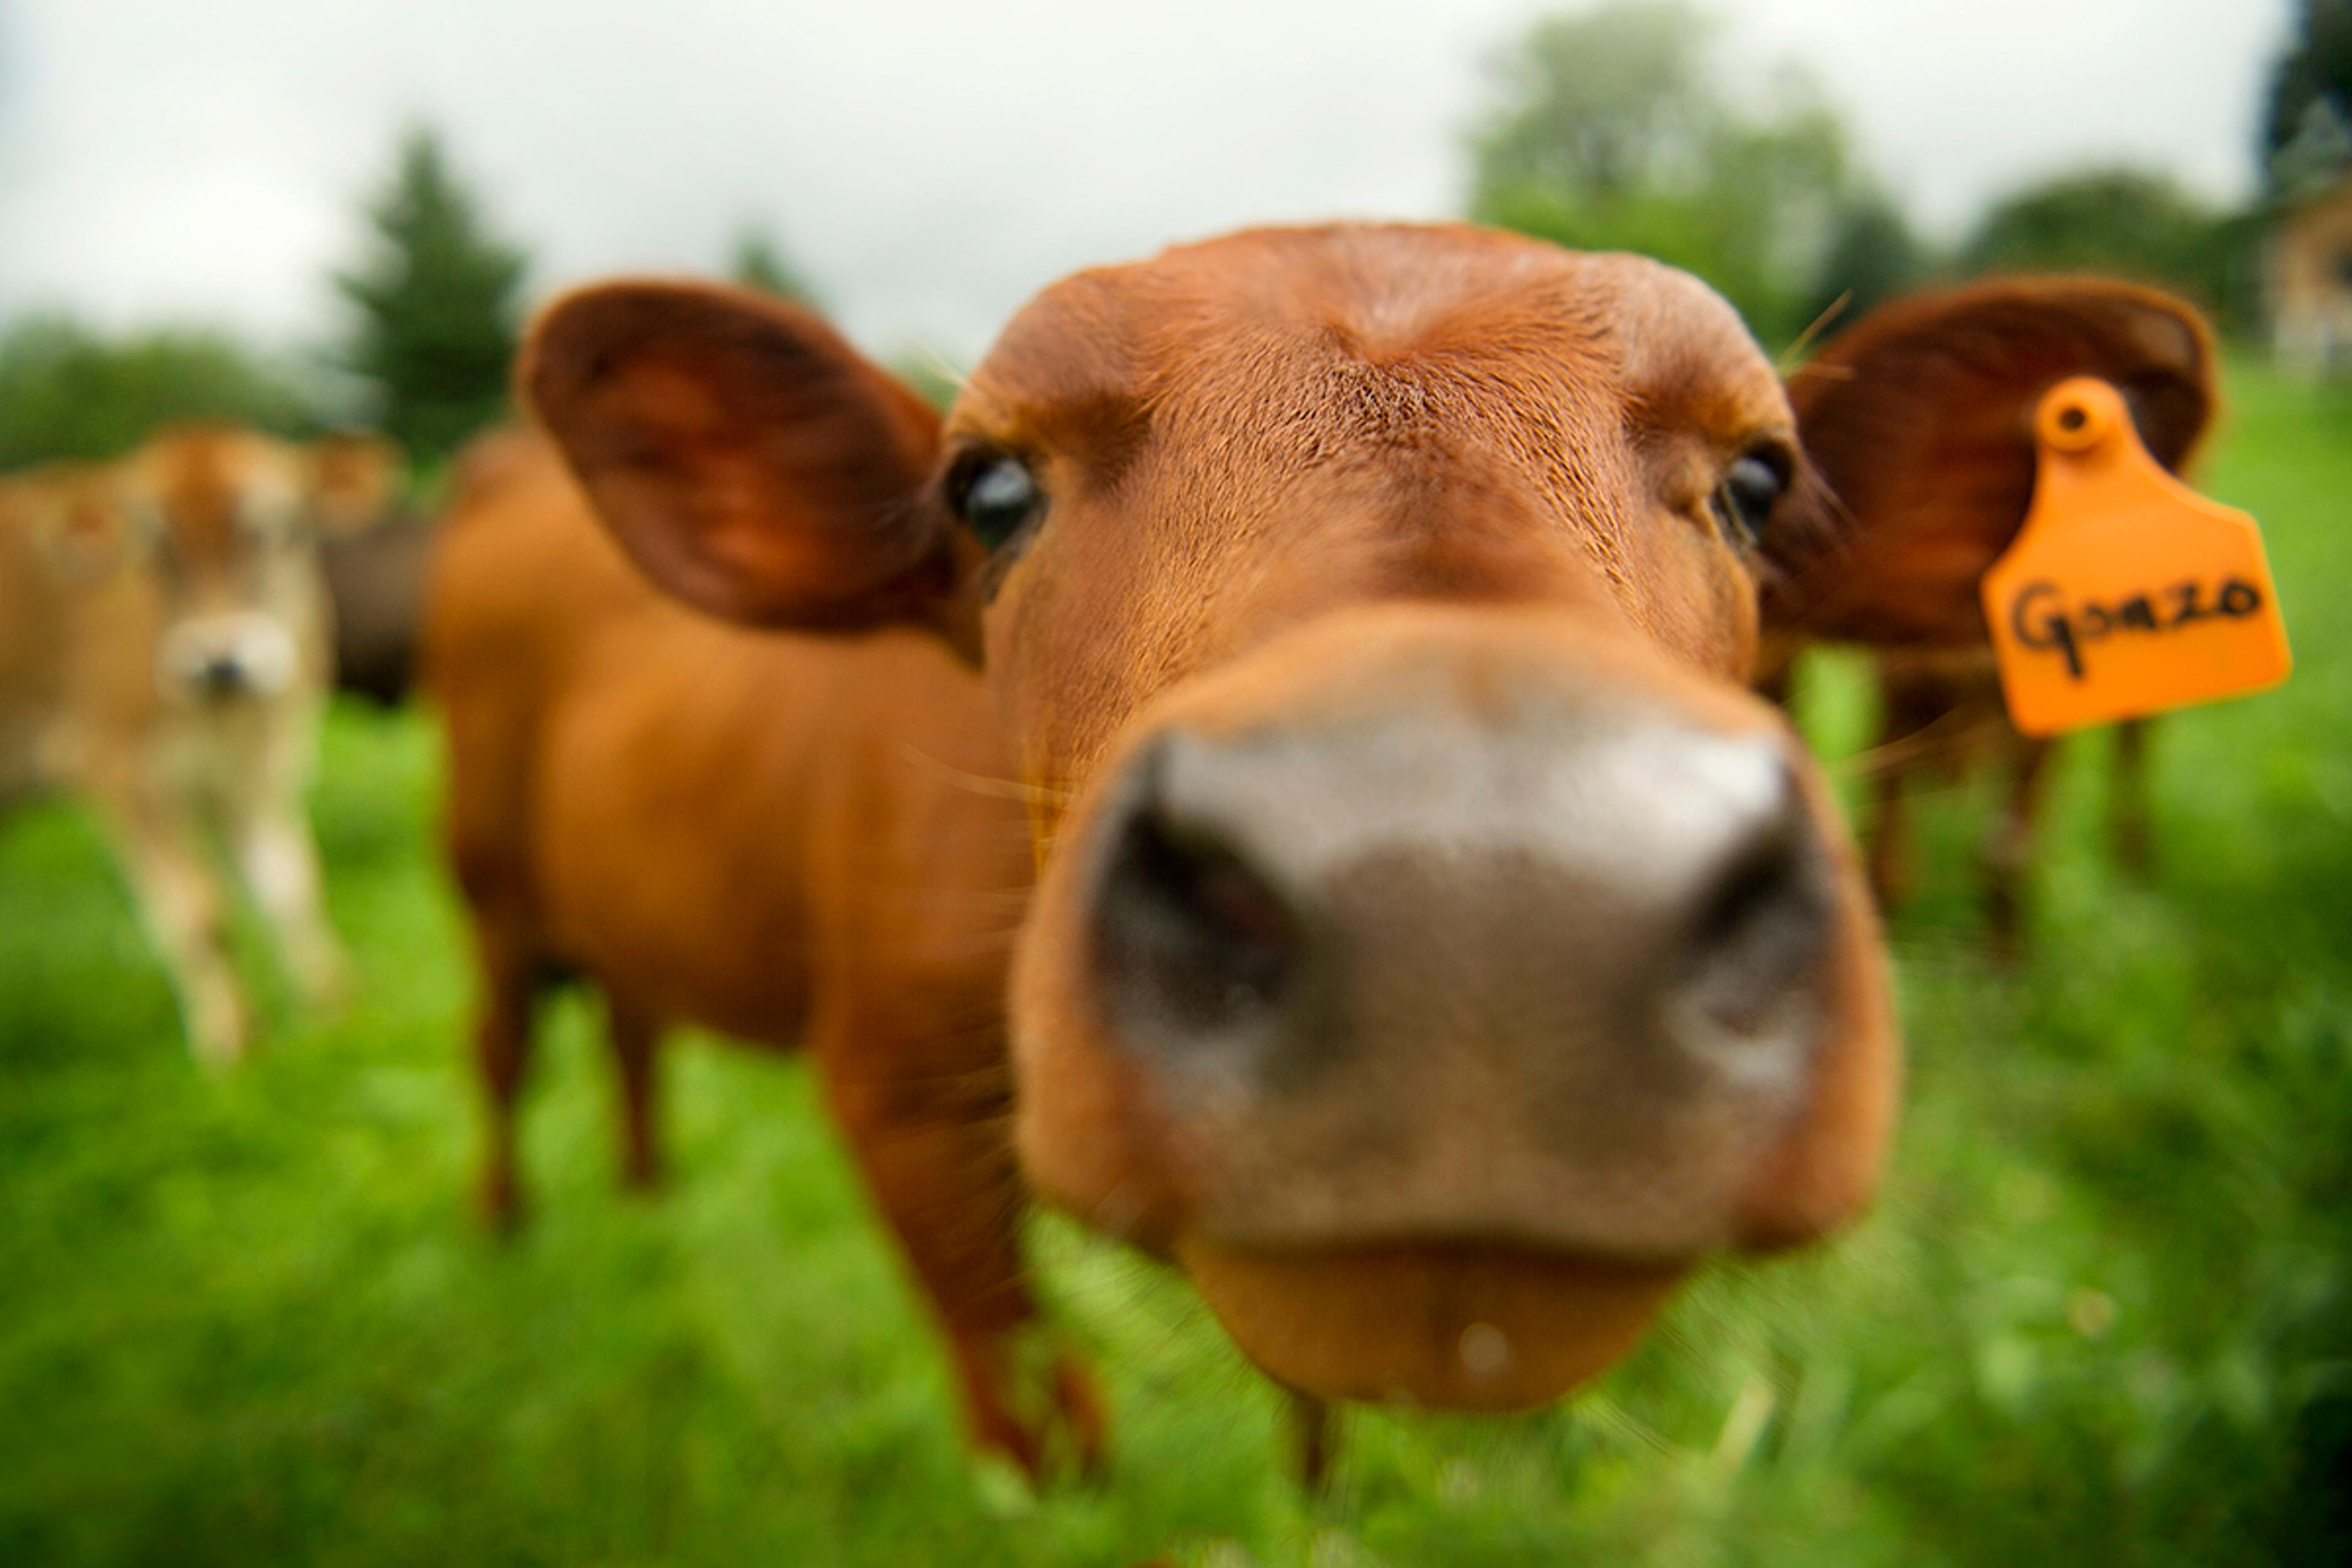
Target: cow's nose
point(1465, 974)
point(222, 675)
point(1676, 874)
point(1192, 938)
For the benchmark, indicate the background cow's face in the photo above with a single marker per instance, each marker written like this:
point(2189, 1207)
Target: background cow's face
point(228, 524)
point(1436, 948)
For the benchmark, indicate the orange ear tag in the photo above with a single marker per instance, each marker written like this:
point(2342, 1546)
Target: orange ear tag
point(2125, 593)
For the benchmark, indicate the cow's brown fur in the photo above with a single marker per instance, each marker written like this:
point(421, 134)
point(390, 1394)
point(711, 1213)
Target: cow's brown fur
point(1301, 484)
point(789, 839)
point(377, 578)
point(374, 553)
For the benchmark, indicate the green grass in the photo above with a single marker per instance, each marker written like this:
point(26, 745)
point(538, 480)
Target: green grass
point(2104, 1313)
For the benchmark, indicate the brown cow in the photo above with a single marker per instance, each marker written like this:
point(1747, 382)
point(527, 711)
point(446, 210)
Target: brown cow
point(374, 554)
point(1923, 527)
point(163, 654)
point(1438, 951)
point(376, 576)
point(785, 838)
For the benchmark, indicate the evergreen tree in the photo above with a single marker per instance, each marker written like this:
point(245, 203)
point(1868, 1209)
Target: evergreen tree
point(437, 303)
point(1872, 256)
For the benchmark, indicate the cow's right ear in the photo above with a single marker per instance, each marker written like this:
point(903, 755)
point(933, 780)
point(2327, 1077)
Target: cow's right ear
point(749, 461)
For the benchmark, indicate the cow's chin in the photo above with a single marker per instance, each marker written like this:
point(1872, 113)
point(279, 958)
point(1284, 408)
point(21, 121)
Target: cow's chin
point(1446, 1328)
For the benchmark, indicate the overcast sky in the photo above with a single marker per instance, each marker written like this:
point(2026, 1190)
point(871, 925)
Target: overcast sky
point(932, 162)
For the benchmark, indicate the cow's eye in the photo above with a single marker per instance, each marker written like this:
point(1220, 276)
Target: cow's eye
point(996, 495)
point(1752, 486)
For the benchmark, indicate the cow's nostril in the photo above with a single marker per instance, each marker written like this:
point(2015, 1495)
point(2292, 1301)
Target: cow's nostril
point(221, 676)
point(1190, 940)
point(1762, 925)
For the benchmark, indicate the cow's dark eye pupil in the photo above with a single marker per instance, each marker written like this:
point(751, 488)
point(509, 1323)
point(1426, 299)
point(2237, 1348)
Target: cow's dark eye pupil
point(1751, 488)
point(1000, 496)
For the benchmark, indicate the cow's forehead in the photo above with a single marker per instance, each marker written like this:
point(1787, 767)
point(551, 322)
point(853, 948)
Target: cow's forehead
point(198, 483)
point(195, 459)
point(1473, 307)
point(201, 465)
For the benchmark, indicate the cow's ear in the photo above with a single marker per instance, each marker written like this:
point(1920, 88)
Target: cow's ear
point(353, 478)
point(75, 520)
point(1918, 426)
point(749, 460)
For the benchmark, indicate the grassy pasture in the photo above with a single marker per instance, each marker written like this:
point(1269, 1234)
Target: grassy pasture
point(2104, 1313)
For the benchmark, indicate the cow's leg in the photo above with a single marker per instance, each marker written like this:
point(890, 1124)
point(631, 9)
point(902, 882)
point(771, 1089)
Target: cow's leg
point(279, 864)
point(936, 1158)
point(636, 1035)
point(503, 1023)
point(180, 899)
point(2009, 848)
point(2128, 800)
point(1314, 1435)
point(490, 734)
point(1893, 872)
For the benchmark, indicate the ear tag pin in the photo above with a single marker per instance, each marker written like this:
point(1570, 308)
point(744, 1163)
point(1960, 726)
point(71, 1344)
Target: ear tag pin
point(2125, 593)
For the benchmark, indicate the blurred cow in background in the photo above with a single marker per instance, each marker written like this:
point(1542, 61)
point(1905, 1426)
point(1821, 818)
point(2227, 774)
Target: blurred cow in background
point(1961, 402)
point(375, 553)
point(164, 653)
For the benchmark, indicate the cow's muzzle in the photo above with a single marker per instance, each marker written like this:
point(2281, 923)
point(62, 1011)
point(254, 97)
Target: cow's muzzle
point(1464, 962)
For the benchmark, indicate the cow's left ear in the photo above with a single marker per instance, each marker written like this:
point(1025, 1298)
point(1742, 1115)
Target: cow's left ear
point(1917, 425)
point(352, 480)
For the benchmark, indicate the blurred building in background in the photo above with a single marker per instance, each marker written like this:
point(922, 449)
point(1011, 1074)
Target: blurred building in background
point(2311, 282)
point(2309, 273)
point(2306, 148)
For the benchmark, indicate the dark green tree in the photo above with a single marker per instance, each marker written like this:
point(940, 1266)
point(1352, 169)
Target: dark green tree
point(69, 391)
point(2311, 85)
point(760, 262)
point(437, 303)
point(1872, 256)
point(2127, 222)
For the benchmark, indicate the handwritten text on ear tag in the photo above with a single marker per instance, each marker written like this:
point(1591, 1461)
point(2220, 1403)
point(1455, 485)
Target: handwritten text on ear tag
point(2125, 593)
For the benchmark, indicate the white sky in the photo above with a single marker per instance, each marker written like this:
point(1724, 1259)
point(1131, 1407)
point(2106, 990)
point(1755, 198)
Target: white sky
point(931, 162)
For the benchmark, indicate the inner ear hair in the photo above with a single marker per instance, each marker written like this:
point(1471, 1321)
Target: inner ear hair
point(746, 456)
